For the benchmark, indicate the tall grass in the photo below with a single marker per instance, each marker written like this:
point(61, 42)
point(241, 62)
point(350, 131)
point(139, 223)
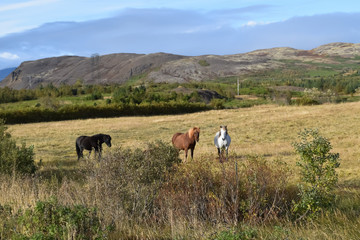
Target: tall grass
point(202, 199)
point(148, 194)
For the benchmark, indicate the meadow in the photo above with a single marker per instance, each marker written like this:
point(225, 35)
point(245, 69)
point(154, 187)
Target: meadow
point(265, 131)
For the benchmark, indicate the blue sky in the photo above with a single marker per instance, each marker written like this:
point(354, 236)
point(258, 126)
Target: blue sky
point(34, 29)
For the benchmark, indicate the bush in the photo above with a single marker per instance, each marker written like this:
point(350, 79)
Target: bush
point(203, 63)
point(314, 96)
point(125, 184)
point(217, 103)
point(225, 193)
point(14, 159)
point(317, 167)
point(95, 96)
point(50, 220)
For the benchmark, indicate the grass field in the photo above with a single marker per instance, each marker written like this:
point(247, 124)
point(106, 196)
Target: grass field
point(266, 130)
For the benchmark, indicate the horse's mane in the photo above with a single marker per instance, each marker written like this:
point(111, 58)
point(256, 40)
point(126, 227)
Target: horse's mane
point(192, 131)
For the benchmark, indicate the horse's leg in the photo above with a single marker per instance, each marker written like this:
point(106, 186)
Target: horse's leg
point(81, 153)
point(100, 151)
point(96, 152)
point(186, 152)
point(221, 155)
point(77, 150)
point(192, 153)
point(227, 153)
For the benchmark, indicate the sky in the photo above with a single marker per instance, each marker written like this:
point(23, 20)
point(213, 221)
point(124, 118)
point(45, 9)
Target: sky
point(35, 29)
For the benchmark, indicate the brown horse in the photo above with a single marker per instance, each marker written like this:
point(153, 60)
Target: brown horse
point(186, 141)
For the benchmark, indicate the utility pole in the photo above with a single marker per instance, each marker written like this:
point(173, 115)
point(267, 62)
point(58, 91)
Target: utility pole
point(238, 87)
point(95, 60)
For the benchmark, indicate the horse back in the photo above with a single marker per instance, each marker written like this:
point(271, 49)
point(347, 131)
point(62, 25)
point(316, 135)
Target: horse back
point(179, 140)
point(79, 140)
point(182, 141)
point(175, 136)
point(85, 142)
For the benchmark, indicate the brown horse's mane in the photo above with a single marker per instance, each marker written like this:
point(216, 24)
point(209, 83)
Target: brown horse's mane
point(192, 131)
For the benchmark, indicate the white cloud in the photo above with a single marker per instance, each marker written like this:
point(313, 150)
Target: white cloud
point(174, 31)
point(251, 24)
point(9, 56)
point(20, 5)
point(254, 23)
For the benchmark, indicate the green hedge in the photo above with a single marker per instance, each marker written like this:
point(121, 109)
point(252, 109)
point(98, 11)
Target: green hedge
point(70, 112)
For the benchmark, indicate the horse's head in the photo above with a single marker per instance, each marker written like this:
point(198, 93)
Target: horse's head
point(195, 131)
point(107, 140)
point(223, 132)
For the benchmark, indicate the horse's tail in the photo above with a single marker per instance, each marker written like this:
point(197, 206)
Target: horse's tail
point(78, 151)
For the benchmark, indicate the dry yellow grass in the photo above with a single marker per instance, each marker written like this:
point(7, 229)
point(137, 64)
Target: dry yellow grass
point(265, 130)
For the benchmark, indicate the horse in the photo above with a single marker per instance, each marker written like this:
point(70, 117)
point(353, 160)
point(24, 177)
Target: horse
point(186, 141)
point(88, 143)
point(222, 141)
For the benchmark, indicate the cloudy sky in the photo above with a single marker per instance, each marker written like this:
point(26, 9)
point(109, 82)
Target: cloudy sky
point(34, 29)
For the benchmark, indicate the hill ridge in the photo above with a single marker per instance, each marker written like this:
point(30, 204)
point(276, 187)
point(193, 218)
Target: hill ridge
point(166, 67)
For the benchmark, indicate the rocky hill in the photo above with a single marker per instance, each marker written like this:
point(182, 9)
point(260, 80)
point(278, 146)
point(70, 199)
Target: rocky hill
point(5, 72)
point(163, 67)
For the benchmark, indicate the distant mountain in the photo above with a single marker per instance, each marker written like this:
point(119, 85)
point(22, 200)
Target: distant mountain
point(163, 67)
point(5, 72)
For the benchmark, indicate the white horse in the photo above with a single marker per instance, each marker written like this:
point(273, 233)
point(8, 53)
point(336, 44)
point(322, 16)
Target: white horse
point(222, 141)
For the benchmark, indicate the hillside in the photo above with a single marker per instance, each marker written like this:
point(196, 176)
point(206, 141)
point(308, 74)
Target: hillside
point(163, 67)
point(5, 72)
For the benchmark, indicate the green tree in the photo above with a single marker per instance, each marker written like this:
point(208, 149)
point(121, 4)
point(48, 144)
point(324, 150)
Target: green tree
point(317, 168)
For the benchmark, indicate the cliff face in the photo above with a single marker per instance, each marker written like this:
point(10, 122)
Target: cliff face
point(162, 67)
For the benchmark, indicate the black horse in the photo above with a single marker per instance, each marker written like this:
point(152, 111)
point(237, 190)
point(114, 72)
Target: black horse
point(88, 143)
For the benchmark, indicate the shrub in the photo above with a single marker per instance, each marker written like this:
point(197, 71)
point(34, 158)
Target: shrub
point(50, 220)
point(124, 184)
point(14, 159)
point(96, 95)
point(50, 103)
point(225, 193)
point(203, 63)
point(317, 168)
point(217, 103)
point(314, 96)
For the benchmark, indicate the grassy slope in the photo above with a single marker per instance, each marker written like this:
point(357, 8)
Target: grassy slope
point(264, 130)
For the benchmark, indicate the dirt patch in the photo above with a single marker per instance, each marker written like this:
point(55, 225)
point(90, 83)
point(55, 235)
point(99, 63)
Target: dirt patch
point(246, 97)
